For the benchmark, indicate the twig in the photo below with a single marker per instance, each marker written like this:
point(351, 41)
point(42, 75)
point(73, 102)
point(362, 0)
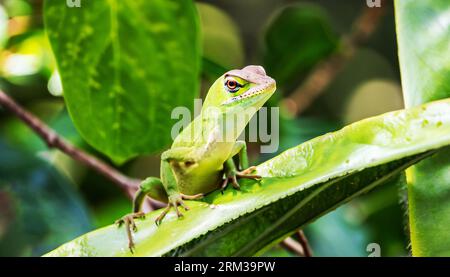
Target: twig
point(301, 247)
point(54, 141)
point(304, 243)
point(293, 246)
point(328, 69)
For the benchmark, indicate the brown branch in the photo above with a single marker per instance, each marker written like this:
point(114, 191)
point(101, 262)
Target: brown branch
point(294, 246)
point(304, 243)
point(326, 71)
point(300, 248)
point(54, 141)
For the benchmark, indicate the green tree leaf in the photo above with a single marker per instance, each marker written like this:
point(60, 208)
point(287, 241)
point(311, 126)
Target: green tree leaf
point(3, 27)
point(124, 66)
point(296, 39)
point(298, 186)
point(423, 31)
point(221, 39)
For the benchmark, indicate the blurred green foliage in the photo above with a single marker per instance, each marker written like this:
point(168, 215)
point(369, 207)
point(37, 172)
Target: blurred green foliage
point(295, 40)
point(39, 206)
point(425, 77)
point(289, 38)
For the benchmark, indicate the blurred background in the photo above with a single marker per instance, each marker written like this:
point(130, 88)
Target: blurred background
point(335, 62)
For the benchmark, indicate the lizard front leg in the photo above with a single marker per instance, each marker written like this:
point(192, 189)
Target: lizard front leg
point(231, 171)
point(152, 187)
point(175, 197)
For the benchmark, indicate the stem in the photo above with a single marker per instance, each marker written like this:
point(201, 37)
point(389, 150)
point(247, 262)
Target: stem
point(326, 71)
point(301, 247)
point(292, 245)
point(304, 243)
point(52, 140)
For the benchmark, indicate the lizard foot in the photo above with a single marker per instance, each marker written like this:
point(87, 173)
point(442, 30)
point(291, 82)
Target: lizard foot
point(130, 225)
point(232, 176)
point(175, 201)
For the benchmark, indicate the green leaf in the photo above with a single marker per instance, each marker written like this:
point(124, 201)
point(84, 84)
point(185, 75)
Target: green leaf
point(423, 31)
point(298, 186)
point(3, 27)
point(221, 39)
point(17, 7)
point(124, 66)
point(39, 208)
point(296, 39)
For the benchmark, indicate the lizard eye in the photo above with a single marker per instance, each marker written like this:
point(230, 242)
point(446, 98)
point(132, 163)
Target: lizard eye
point(232, 85)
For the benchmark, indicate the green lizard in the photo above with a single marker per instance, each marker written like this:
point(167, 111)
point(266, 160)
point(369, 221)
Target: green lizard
point(201, 157)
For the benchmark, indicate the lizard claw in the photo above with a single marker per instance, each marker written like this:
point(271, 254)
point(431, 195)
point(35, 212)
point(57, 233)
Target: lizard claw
point(176, 201)
point(130, 225)
point(233, 180)
point(232, 176)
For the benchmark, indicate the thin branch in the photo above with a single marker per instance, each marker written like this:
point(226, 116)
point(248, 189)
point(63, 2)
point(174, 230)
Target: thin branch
point(300, 248)
point(326, 71)
point(52, 140)
point(294, 246)
point(304, 243)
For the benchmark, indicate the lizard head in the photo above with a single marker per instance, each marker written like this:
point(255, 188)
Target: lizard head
point(235, 97)
point(243, 88)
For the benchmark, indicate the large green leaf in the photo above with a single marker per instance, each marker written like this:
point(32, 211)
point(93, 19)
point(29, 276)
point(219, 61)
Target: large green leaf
point(220, 37)
point(298, 186)
point(296, 39)
point(124, 66)
point(423, 30)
